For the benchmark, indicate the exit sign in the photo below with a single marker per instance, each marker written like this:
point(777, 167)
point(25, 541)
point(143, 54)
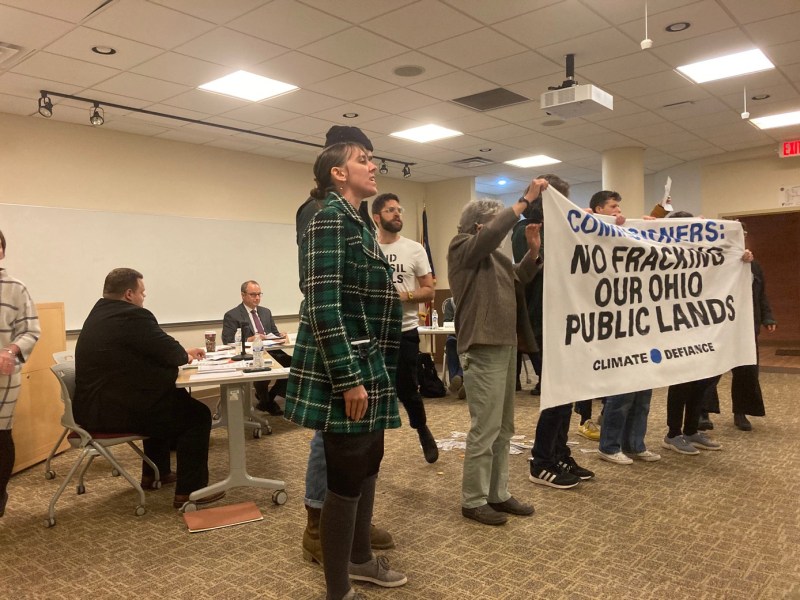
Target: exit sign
point(790, 148)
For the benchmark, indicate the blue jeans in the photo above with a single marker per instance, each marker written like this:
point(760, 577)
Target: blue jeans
point(316, 473)
point(625, 422)
point(453, 363)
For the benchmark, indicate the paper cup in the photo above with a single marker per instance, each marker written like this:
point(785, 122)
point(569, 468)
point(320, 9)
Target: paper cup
point(211, 341)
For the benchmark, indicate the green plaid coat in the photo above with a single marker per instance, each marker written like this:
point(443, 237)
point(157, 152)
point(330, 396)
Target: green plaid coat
point(349, 296)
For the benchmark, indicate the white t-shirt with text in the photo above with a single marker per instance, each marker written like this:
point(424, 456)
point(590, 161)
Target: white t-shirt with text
point(409, 261)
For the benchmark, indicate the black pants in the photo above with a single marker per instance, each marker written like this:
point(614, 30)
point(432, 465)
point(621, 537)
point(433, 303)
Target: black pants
point(263, 391)
point(684, 403)
point(406, 380)
point(188, 423)
point(350, 458)
point(550, 445)
point(584, 409)
point(7, 456)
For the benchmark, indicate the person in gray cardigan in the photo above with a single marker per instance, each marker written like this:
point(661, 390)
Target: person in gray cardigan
point(483, 281)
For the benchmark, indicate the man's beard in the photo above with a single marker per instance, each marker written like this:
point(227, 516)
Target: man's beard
point(391, 226)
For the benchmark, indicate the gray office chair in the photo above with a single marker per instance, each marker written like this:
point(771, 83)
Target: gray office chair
point(92, 445)
point(49, 473)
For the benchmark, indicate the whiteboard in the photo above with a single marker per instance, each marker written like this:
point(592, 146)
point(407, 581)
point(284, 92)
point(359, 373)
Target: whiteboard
point(193, 268)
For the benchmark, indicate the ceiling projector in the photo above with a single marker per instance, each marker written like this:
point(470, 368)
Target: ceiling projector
point(576, 101)
point(572, 100)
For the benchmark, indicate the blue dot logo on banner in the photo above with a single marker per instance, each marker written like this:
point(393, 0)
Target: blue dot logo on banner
point(655, 355)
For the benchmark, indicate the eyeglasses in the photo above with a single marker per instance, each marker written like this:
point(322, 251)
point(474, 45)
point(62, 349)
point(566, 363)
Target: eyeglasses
point(394, 210)
point(255, 295)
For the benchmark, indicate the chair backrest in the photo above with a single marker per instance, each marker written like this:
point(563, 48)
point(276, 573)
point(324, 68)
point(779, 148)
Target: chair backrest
point(64, 356)
point(65, 372)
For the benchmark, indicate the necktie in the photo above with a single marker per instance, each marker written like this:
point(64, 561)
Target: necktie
point(257, 321)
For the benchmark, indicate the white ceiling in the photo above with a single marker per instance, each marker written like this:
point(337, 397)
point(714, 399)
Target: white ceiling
point(342, 55)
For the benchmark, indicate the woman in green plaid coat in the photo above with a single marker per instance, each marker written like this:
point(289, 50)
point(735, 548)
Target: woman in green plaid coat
point(343, 367)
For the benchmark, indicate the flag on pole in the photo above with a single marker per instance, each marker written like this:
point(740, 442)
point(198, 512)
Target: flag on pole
point(426, 244)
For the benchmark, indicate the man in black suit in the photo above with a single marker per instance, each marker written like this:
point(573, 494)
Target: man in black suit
point(125, 371)
point(258, 320)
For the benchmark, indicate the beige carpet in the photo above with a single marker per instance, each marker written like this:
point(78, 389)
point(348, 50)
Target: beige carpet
point(720, 525)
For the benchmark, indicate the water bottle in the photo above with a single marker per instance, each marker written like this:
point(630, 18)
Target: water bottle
point(435, 320)
point(237, 339)
point(258, 353)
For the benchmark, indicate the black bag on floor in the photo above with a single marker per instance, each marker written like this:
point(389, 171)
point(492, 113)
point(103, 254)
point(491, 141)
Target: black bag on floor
point(430, 386)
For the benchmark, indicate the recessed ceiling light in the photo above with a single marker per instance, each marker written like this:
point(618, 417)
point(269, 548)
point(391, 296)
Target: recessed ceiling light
point(350, 115)
point(502, 181)
point(780, 120)
point(426, 133)
point(104, 50)
point(758, 97)
point(484, 149)
point(538, 160)
point(248, 86)
point(409, 71)
point(750, 61)
point(679, 26)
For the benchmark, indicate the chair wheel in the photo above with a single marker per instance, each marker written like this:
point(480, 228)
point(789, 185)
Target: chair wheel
point(80, 489)
point(115, 473)
point(49, 523)
point(140, 510)
point(50, 474)
point(279, 497)
point(268, 429)
point(189, 507)
point(257, 433)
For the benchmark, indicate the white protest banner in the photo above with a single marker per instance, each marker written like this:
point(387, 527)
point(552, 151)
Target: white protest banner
point(640, 306)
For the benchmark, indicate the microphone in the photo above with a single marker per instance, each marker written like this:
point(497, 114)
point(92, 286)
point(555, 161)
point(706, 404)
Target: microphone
point(245, 327)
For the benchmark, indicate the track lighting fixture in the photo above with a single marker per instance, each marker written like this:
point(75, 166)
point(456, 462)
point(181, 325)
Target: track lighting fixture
point(97, 115)
point(45, 106)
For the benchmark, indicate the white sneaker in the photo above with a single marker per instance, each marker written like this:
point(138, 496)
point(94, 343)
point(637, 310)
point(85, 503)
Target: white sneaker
point(647, 456)
point(617, 458)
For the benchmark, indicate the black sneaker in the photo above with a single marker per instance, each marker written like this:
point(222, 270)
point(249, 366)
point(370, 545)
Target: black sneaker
point(705, 423)
point(428, 443)
point(537, 390)
point(570, 466)
point(555, 478)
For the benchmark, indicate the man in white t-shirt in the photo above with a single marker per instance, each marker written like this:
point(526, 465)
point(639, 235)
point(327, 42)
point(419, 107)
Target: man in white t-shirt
point(414, 283)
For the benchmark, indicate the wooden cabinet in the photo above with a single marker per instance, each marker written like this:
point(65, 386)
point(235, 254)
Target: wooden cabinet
point(37, 418)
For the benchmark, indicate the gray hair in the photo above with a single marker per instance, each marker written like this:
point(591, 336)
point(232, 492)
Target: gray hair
point(476, 212)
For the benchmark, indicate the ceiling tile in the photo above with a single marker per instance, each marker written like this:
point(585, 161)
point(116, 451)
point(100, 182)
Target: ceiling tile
point(365, 114)
point(548, 25)
point(298, 69)
point(453, 85)
point(493, 12)
point(261, 114)
point(474, 48)
point(73, 11)
point(139, 86)
point(607, 141)
point(303, 102)
point(205, 102)
point(148, 23)
point(517, 68)
point(178, 68)
point(28, 87)
point(399, 100)
point(403, 26)
point(183, 134)
point(392, 123)
point(706, 17)
point(134, 127)
point(747, 11)
point(354, 48)
point(231, 48)
point(624, 12)
point(212, 10)
point(648, 84)
point(17, 105)
point(351, 86)
point(783, 54)
point(78, 44)
point(620, 69)
point(305, 125)
point(357, 11)
point(288, 23)
point(63, 69)
point(592, 48)
point(702, 48)
point(775, 31)
point(29, 30)
point(385, 69)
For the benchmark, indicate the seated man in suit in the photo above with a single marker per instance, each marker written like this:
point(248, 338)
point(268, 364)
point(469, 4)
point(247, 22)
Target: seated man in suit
point(125, 371)
point(257, 319)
